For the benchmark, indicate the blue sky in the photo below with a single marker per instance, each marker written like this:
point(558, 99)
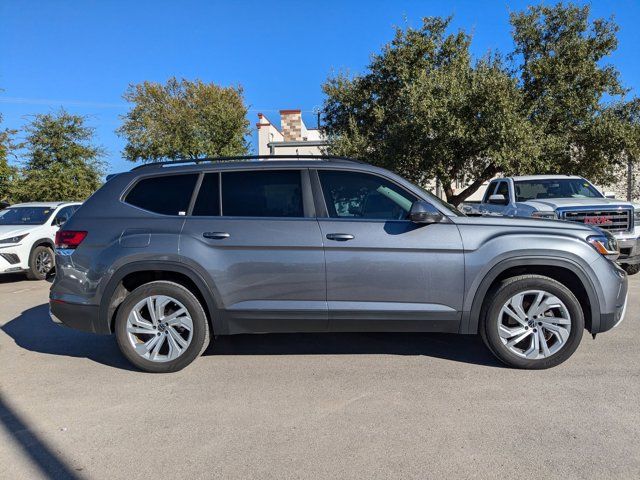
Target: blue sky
point(83, 54)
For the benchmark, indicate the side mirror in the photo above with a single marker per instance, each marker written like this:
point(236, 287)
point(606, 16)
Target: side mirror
point(609, 195)
point(498, 199)
point(424, 212)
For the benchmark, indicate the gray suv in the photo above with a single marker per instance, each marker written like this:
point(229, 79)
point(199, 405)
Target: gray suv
point(168, 255)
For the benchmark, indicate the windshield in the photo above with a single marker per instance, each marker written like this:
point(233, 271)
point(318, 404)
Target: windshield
point(555, 188)
point(25, 215)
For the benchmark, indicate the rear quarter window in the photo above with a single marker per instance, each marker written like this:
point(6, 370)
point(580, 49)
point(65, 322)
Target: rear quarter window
point(166, 194)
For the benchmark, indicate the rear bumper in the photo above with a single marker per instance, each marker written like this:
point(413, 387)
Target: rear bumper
point(78, 316)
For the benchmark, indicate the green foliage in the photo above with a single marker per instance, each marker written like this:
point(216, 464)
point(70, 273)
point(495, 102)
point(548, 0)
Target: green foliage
point(565, 83)
point(62, 163)
point(184, 120)
point(425, 109)
point(8, 172)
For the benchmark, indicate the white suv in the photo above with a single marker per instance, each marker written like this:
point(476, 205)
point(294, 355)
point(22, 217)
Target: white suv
point(27, 233)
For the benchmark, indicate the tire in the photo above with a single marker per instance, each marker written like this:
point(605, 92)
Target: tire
point(631, 269)
point(560, 325)
point(150, 343)
point(41, 262)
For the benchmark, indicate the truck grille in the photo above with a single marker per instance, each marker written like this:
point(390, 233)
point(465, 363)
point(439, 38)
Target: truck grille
point(617, 219)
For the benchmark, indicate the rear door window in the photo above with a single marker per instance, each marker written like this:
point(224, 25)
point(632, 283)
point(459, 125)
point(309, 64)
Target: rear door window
point(165, 194)
point(262, 193)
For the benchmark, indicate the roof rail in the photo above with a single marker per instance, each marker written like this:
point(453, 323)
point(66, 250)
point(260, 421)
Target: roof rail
point(247, 158)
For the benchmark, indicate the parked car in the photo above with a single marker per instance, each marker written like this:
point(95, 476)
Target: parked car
point(569, 198)
point(27, 234)
point(167, 255)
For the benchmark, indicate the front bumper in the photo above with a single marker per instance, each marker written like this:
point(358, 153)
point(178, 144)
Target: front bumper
point(629, 245)
point(616, 310)
point(11, 259)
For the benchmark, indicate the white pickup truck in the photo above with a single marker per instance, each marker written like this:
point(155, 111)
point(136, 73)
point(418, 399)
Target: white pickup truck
point(567, 198)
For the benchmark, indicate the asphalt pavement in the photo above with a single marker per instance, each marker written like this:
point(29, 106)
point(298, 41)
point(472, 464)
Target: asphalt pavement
point(347, 406)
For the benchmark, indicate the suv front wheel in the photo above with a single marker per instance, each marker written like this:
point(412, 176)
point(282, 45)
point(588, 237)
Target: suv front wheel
point(41, 262)
point(161, 327)
point(532, 322)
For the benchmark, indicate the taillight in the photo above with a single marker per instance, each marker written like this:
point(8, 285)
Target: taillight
point(69, 238)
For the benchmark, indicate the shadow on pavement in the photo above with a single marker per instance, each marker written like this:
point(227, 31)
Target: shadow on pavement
point(14, 277)
point(34, 331)
point(458, 348)
point(48, 462)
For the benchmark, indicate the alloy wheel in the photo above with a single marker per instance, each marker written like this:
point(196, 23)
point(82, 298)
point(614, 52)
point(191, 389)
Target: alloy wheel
point(534, 324)
point(44, 262)
point(159, 328)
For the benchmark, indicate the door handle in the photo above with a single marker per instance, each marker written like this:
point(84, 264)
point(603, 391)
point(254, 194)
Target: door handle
point(216, 235)
point(340, 237)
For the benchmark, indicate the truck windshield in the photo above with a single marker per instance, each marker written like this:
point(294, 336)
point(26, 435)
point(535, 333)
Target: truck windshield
point(555, 188)
point(25, 215)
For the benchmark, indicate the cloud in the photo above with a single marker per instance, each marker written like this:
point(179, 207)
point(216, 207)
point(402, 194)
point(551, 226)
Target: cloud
point(53, 102)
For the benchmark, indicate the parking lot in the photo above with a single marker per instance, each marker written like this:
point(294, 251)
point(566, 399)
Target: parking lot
point(305, 406)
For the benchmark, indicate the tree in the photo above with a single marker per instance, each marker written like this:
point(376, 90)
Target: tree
point(565, 83)
point(8, 172)
point(424, 109)
point(184, 120)
point(619, 131)
point(62, 163)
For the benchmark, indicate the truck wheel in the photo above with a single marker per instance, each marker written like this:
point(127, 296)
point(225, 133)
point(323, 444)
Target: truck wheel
point(161, 327)
point(631, 269)
point(532, 322)
point(41, 262)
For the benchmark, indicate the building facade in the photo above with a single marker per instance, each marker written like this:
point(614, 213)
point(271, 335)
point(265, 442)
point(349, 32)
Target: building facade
point(292, 138)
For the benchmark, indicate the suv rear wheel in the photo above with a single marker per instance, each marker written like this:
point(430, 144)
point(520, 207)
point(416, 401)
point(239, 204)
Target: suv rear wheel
point(532, 322)
point(161, 327)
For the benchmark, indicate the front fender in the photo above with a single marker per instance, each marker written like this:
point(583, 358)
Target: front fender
point(476, 296)
point(570, 253)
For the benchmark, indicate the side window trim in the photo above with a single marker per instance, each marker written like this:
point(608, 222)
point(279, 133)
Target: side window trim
point(318, 196)
point(512, 191)
point(194, 194)
point(308, 205)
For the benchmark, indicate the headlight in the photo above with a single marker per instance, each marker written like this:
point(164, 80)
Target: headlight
point(547, 215)
point(636, 216)
point(15, 239)
point(606, 245)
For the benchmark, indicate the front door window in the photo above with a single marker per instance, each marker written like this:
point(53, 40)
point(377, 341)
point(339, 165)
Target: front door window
point(358, 195)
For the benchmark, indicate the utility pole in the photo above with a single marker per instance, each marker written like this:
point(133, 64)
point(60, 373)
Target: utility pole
point(317, 110)
point(629, 179)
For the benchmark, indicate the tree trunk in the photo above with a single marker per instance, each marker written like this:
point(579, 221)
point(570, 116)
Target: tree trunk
point(456, 200)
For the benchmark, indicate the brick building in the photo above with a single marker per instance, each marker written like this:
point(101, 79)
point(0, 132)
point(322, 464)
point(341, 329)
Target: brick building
point(292, 138)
